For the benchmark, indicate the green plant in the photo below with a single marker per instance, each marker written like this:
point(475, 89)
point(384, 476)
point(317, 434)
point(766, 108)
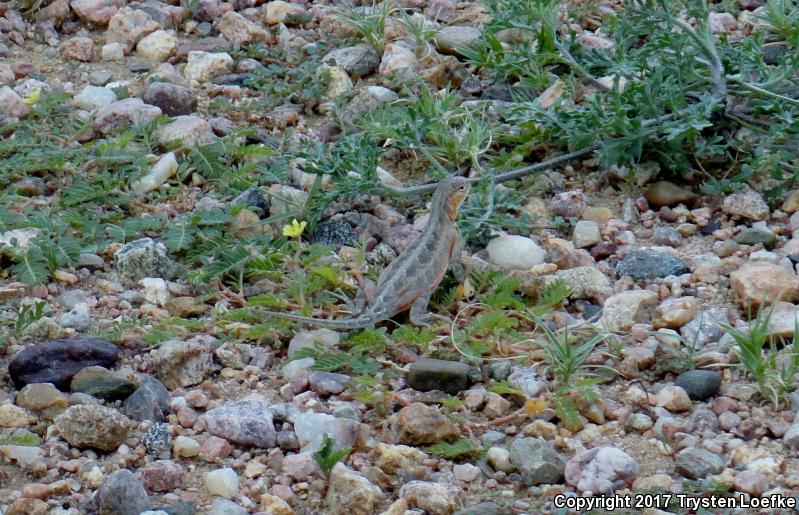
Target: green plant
point(327, 457)
point(564, 361)
point(27, 315)
point(759, 351)
point(368, 21)
point(28, 439)
point(782, 18)
point(463, 448)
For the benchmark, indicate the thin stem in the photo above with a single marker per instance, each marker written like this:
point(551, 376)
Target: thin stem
point(764, 92)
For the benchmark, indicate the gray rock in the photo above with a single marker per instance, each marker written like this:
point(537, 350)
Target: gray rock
point(252, 198)
point(358, 60)
point(485, 508)
point(451, 38)
point(327, 383)
point(247, 422)
point(427, 374)
point(180, 508)
point(498, 370)
point(173, 99)
point(699, 384)
point(350, 492)
point(701, 420)
point(57, 361)
point(78, 318)
point(537, 460)
point(122, 494)
point(89, 425)
point(101, 383)
point(755, 235)
point(601, 470)
point(795, 400)
point(695, 463)
point(222, 506)
point(335, 233)
point(644, 265)
point(158, 440)
point(142, 258)
point(150, 401)
point(528, 381)
point(181, 364)
point(704, 328)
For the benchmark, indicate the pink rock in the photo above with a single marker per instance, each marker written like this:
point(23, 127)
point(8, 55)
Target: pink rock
point(98, 12)
point(78, 49)
point(215, 448)
point(187, 417)
point(299, 466)
point(162, 476)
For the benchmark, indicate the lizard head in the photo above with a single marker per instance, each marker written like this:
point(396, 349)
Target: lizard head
point(450, 194)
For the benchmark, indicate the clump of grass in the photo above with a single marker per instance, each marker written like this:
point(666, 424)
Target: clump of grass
point(759, 351)
point(327, 457)
point(368, 21)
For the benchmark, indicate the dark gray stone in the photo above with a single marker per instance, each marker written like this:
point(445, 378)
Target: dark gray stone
point(101, 383)
point(644, 265)
point(485, 508)
point(252, 198)
point(122, 494)
point(57, 361)
point(696, 463)
point(358, 60)
point(426, 374)
point(173, 99)
point(756, 235)
point(158, 440)
point(180, 508)
point(335, 233)
point(699, 384)
point(150, 401)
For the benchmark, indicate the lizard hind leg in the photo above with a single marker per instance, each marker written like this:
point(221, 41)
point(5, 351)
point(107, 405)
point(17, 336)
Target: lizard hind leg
point(419, 314)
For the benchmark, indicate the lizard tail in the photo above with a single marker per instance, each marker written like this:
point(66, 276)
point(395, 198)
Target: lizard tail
point(341, 323)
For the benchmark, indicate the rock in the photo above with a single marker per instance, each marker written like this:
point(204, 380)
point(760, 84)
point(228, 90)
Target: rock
point(206, 66)
point(537, 460)
point(43, 399)
point(128, 26)
point(274, 505)
point(396, 58)
point(673, 398)
point(484, 508)
point(623, 310)
point(154, 290)
point(181, 364)
point(395, 458)
point(350, 492)
point(57, 361)
point(569, 204)
point(150, 401)
point(601, 470)
point(14, 416)
point(451, 38)
point(499, 458)
point(676, 312)
point(191, 131)
point(758, 284)
point(748, 204)
point(278, 11)
point(222, 506)
point(311, 428)
point(433, 498)
point(11, 104)
point(185, 307)
point(751, 482)
point(142, 258)
point(101, 383)
point(757, 235)
point(336, 233)
point(98, 12)
point(128, 111)
point(585, 282)
point(162, 476)
point(358, 60)
point(78, 49)
point(327, 383)
point(121, 494)
point(185, 447)
point(300, 467)
point(664, 193)
point(791, 437)
point(223, 482)
point(645, 265)
point(419, 424)
point(367, 99)
point(162, 171)
point(515, 252)
point(466, 472)
point(112, 52)
point(528, 381)
point(586, 234)
point(89, 425)
point(157, 440)
point(246, 422)
point(158, 46)
point(696, 463)
point(700, 385)
point(427, 374)
point(253, 199)
point(240, 31)
point(668, 236)
point(172, 99)
point(78, 318)
point(722, 22)
point(704, 328)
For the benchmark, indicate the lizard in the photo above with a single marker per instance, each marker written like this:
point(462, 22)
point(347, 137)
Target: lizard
point(409, 281)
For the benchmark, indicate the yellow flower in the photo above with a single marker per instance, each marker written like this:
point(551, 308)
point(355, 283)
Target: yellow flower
point(294, 230)
point(32, 97)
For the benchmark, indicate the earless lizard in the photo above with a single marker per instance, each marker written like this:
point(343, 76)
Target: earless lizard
point(410, 280)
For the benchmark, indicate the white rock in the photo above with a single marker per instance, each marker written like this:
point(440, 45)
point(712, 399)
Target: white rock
point(311, 428)
point(297, 368)
point(303, 339)
point(21, 237)
point(158, 46)
point(623, 310)
point(397, 57)
point(155, 290)
point(466, 472)
point(205, 66)
point(515, 252)
point(499, 458)
point(223, 482)
point(673, 398)
point(185, 447)
point(161, 171)
point(338, 82)
point(92, 97)
point(112, 52)
point(11, 103)
point(586, 234)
